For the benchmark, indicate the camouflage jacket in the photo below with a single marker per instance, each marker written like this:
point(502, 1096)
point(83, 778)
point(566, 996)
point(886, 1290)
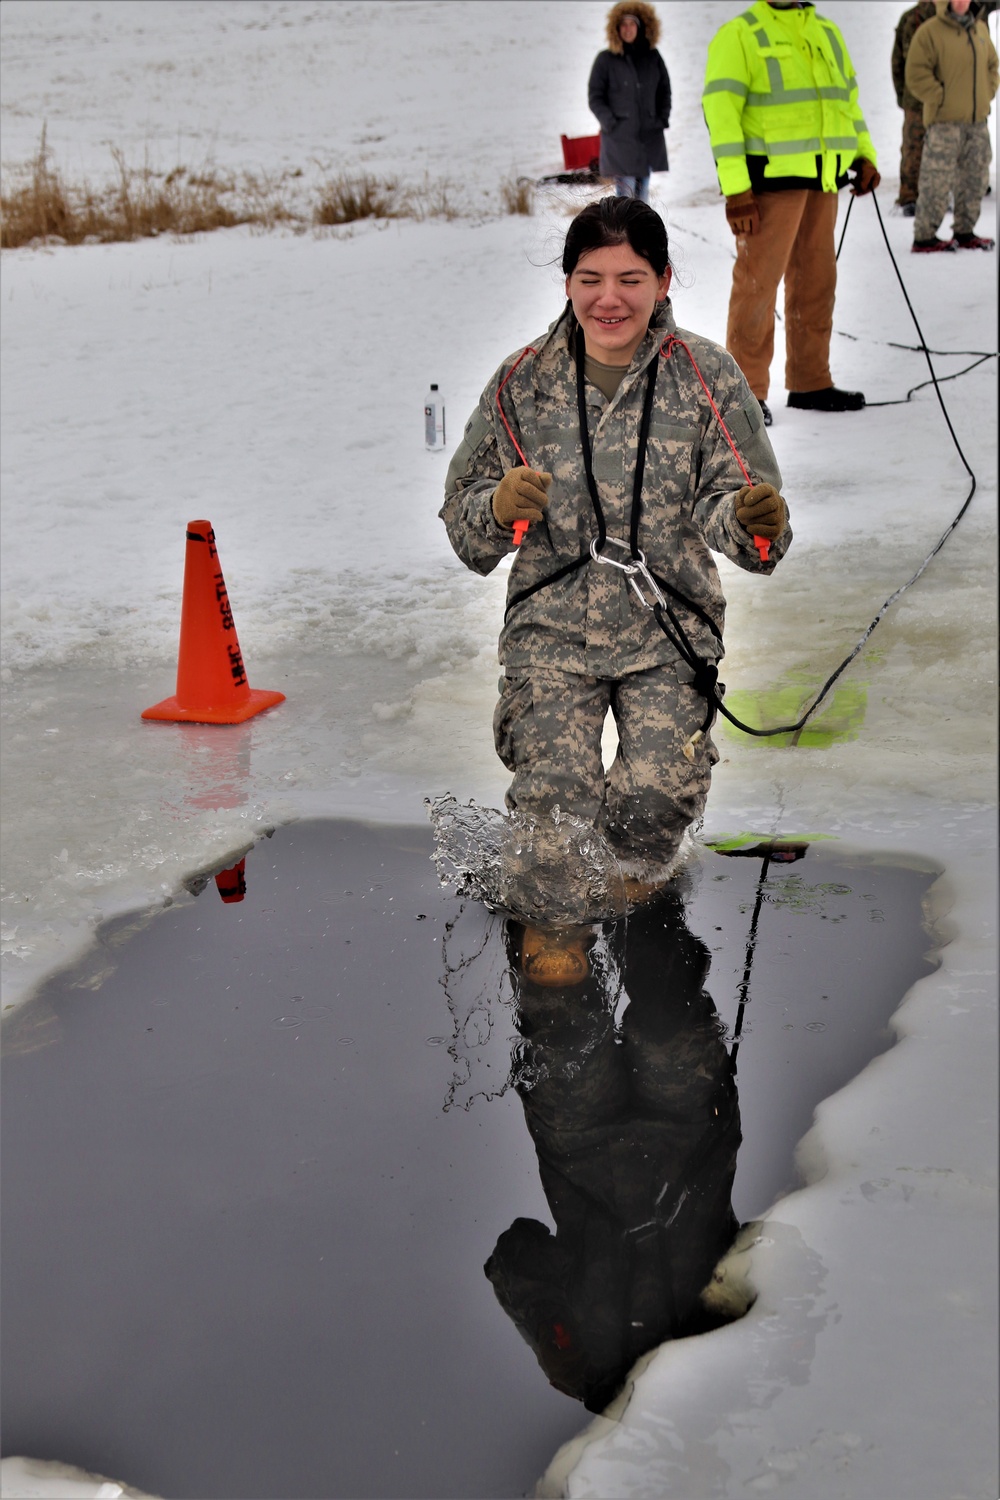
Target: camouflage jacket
point(906, 30)
point(591, 621)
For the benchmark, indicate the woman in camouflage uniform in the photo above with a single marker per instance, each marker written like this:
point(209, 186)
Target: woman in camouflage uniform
point(602, 436)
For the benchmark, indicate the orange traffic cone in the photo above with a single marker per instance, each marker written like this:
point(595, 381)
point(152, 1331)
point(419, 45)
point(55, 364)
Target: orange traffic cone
point(212, 685)
point(232, 884)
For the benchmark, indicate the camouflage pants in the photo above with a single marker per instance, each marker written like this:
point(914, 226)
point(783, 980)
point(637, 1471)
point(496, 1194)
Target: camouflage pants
point(547, 729)
point(956, 159)
point(910, 154)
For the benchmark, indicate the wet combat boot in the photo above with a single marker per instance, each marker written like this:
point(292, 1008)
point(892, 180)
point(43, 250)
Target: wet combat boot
point(639, 890)
point(555, 956)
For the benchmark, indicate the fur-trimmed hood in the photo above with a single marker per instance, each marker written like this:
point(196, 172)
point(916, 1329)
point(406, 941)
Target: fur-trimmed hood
point(644, 13)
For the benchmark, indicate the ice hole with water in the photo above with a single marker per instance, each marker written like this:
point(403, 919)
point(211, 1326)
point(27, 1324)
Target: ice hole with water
point(243, 1257)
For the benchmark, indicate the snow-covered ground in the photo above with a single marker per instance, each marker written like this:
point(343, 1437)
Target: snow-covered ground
point(274, 384)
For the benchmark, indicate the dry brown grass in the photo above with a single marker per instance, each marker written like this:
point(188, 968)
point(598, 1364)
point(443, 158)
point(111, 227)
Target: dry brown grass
point(433, 200)
point(517, 195)
point(139, 203)
point(38, 206)
point(345, 200)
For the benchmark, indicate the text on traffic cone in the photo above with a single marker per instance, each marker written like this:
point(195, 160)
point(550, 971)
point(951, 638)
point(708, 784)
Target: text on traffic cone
point(212, 686)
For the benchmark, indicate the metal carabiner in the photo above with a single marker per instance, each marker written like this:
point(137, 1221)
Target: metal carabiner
point(636, 564)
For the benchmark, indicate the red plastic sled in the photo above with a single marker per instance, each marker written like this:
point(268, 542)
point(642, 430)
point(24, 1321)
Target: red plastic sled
point(581, 151)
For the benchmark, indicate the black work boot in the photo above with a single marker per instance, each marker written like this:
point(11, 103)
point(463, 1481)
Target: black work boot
point(829, 399)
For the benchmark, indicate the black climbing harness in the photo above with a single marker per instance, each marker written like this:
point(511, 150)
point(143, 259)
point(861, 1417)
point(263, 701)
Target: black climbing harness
point(652, 591)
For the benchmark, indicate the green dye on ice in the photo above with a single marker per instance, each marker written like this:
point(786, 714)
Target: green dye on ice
point(729, 843)
point(838, 721)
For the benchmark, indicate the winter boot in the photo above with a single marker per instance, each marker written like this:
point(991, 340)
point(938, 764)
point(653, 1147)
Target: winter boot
point(765, 412)
point(829, 399)
point(973, 242)
point(931, 247)
point(555, 956)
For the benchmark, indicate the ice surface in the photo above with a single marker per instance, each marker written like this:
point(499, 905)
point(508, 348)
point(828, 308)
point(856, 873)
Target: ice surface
point(274, 384)
point(41, 1479)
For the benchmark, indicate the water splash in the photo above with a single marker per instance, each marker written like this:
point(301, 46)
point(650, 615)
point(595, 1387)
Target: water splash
point(553, 870)
point(479, 987)
point(485, 998)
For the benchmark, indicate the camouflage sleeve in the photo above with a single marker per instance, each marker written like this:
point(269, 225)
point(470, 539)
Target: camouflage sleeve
point(899, 46)
point(720, 477)
point(473, 474)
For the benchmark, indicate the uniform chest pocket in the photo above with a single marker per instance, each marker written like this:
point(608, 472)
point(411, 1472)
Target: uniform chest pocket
point(670, 458)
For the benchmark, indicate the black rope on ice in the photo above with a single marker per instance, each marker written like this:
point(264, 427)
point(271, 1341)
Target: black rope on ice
point(936, 381)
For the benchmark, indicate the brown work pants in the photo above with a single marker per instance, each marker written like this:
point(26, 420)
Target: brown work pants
point(795, 241)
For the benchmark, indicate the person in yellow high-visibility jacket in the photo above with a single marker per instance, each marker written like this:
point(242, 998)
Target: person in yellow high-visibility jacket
point(781, 105)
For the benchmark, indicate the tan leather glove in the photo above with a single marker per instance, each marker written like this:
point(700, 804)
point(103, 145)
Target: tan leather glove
point(761, 511)
point(866, 177)
point(521, 495)
point(743, 213)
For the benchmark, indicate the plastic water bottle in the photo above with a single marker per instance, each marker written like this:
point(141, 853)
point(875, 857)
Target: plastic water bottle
point(434, 428)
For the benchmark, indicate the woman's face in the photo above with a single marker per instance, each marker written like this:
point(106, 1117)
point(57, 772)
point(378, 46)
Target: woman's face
point(614, 291)
point(628, 30)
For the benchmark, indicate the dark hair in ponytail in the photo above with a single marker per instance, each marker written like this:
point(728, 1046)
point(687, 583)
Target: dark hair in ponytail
point(617, 221)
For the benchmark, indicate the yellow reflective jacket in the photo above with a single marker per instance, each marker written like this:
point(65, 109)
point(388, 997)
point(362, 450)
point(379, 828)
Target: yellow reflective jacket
point(781, 84)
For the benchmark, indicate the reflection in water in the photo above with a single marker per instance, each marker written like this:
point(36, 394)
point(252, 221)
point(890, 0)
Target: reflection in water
point(232, 883)
point(636, 1126)
point(215, 763)
point(778, 852)
point(215, 760)
point(249, 1116)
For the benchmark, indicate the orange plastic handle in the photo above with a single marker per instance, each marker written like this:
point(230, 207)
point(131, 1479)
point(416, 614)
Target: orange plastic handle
point(763, 547)
point(520, 527)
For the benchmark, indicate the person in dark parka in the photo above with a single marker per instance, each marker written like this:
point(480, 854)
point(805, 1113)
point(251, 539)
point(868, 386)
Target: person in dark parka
point(629, 92)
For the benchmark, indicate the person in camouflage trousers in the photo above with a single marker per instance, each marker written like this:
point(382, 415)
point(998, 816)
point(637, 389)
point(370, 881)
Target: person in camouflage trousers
point(913, 110)
point(577, 642)
point(952, 68)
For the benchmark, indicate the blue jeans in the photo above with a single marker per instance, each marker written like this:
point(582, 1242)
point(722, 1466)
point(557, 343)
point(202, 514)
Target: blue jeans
point(632, 187)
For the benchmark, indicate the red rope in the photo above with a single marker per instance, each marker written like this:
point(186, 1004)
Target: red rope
point(520, 451)
point(666, 349)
